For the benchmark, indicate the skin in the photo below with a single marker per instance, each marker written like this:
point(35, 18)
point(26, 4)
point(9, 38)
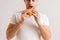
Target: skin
point(13, 28)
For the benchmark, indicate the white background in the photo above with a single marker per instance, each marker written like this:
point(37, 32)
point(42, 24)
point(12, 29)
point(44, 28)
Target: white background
point(48, 7)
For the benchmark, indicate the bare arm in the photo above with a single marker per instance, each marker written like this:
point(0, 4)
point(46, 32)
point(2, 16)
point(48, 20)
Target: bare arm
point(12, 30)
point(45, 32)
point(44, 29)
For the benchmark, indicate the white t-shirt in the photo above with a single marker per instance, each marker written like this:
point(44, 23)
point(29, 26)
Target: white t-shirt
point(29, 30)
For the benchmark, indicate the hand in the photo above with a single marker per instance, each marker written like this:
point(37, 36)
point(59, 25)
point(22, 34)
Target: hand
point(24, 15)
point(36, 17)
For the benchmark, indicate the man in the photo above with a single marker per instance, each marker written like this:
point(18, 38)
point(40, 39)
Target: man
point(26, 27)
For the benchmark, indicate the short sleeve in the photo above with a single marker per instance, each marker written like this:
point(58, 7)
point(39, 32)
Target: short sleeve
point(44, 20)
point(13, 19)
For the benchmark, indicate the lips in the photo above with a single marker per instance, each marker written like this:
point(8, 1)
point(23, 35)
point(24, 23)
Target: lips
point(30, 6)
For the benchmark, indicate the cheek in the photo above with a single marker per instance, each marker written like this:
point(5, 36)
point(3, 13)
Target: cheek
point(34, 4)
point(26, 3)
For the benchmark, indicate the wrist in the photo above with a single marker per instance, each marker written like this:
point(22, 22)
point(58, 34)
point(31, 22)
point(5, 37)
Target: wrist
point(21, 21)
point(39, 24)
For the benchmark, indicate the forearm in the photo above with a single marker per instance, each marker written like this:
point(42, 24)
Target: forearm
point(12, 31)
point(17, 27)
point(44, 32)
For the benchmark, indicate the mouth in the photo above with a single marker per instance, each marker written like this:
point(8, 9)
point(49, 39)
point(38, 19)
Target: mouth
point(30, 6)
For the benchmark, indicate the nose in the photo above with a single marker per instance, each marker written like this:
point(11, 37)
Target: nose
point(30, 2)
